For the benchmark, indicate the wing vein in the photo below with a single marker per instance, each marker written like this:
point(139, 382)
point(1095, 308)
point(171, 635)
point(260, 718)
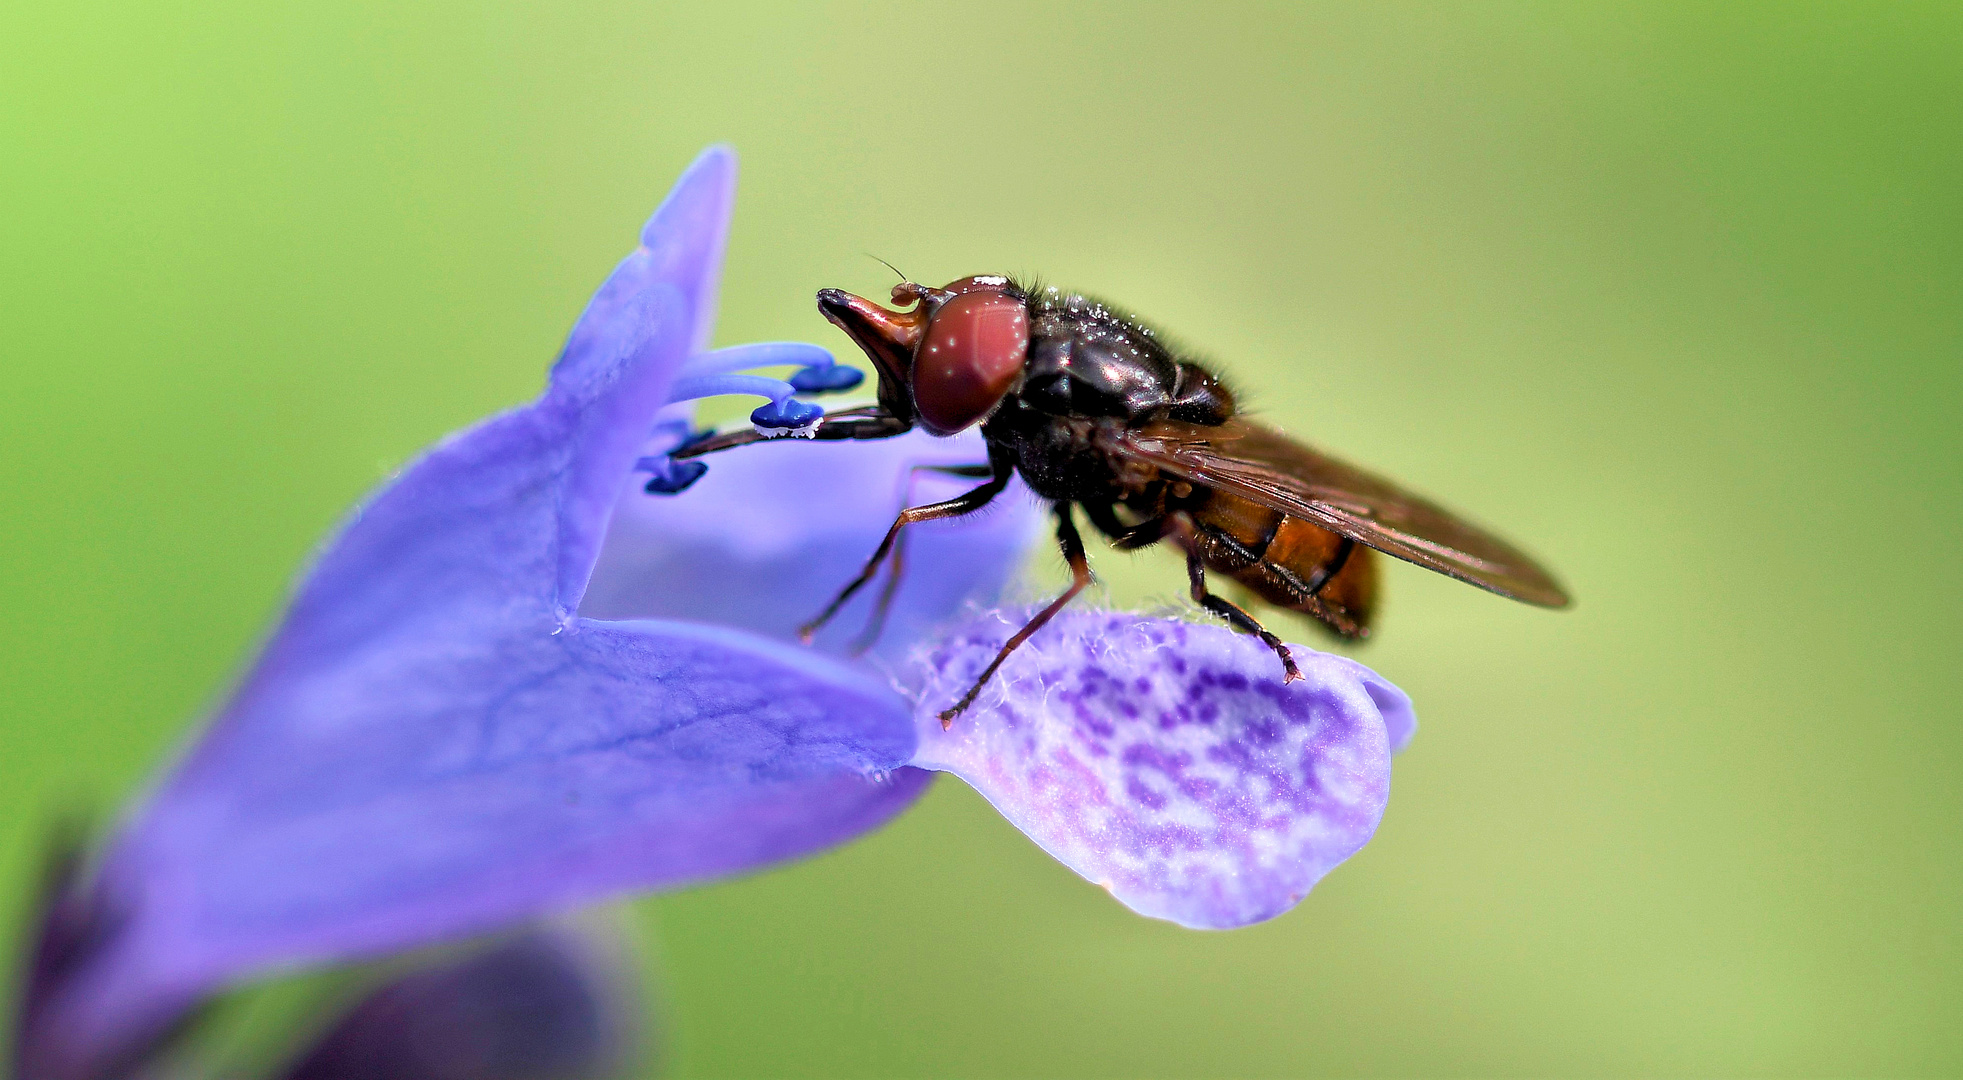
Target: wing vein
point(1267, 467)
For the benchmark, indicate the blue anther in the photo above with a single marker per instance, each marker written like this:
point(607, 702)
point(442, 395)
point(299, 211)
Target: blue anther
point(787, 417)
point(826, 378)
point(670, 476)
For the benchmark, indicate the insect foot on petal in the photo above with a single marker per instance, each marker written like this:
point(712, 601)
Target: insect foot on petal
point(1162, 760)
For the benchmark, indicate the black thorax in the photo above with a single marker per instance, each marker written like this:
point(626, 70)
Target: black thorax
point(1091, 367)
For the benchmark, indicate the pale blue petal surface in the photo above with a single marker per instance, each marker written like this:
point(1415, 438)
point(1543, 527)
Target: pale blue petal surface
point(1166, 761)
point(766, 538)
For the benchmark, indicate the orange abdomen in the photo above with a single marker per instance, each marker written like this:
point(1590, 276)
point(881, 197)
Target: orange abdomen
point(1287, 562)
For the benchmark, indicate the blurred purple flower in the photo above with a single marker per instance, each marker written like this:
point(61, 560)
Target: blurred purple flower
point(514, 684)
point(549, 1003)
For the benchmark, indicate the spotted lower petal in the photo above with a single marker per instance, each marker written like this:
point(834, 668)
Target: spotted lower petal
point(1166, 761)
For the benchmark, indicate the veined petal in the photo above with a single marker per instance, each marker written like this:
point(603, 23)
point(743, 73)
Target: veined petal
point(766, 538)
point(1166, 760)
point(434, 795)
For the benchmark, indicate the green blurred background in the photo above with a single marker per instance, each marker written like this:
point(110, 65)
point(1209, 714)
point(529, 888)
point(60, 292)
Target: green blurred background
point(1673, 295)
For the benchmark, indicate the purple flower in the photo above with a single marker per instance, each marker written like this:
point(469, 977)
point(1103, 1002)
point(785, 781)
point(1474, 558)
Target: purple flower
point(515, 683)
point(550, 1003)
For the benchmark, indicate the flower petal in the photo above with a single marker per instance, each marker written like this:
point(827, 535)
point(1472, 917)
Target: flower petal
point(655, 311)
point(432, 795)
point(1166, 760)
point(766, 538)
point(501, 521)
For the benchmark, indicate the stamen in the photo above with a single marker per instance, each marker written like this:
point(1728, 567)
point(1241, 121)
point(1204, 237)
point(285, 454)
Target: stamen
point(670, 476)
point(796, 419)
point(756, 355)
point(827, 380)
point(717, 372)
point(690, 387)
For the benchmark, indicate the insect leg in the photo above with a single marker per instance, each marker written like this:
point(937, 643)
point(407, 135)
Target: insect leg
point(1126, 537)
point(897, 568)
point(864, 422)
point(1236, 616)
point(966, 503)
point(1080, 576)
point(1300, 592)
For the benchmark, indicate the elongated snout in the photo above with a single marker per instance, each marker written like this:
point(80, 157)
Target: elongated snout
point(887, 337)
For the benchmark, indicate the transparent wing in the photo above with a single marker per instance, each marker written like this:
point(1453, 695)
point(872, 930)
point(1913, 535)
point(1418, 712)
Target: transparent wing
point(1269, 468)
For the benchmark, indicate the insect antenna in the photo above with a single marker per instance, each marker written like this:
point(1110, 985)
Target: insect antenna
point(904, 279)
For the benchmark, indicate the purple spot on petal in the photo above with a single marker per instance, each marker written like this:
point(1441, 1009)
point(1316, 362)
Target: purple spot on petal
point(1143, 795)
point(1164, 761)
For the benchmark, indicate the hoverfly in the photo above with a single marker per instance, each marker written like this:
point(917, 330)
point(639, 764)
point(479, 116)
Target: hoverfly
point(1097, 413)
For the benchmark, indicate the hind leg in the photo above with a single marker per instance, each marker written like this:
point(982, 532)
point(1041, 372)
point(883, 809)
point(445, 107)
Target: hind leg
point(1236, 616)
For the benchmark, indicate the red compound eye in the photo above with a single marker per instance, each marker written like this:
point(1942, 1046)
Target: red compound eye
point(977, 283)
point(970, 358)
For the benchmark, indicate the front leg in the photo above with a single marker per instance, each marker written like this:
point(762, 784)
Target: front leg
point(877, 623)
point(965, 503)
point(864, 422)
